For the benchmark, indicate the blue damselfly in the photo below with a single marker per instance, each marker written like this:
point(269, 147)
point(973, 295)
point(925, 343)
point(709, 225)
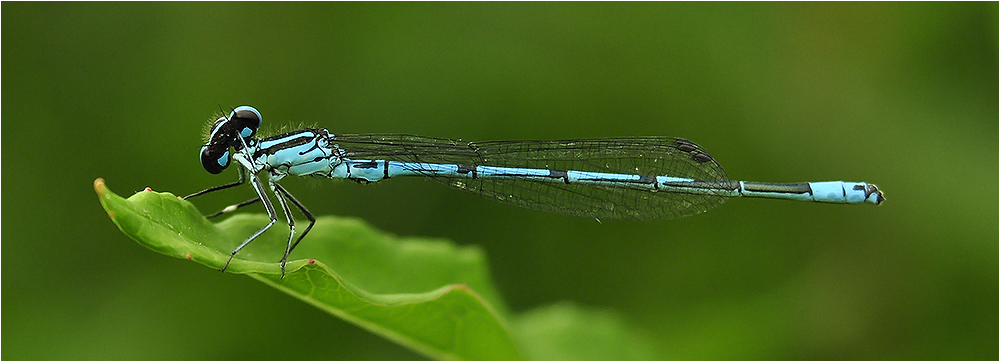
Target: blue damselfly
point(614, 178)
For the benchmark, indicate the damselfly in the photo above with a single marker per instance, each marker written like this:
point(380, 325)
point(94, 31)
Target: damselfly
point(614, 178)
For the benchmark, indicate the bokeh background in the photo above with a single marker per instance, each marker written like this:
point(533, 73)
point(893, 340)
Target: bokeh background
point(903, 95)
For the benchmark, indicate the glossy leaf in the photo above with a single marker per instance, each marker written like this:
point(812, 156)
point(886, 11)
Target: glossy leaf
point(427, 294)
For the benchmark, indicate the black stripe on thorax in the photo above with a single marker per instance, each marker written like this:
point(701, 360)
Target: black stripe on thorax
point(294, 142)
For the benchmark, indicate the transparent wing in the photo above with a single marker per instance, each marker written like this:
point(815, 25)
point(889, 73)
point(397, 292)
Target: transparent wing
point(647, 156)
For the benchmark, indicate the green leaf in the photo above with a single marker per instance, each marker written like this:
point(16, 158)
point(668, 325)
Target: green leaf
point(428, 295)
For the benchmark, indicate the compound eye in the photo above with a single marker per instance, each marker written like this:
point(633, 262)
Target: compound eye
point(246, 120)
point(214, 159)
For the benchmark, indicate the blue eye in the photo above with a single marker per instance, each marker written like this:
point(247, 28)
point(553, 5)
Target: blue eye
point(247, 119)
point(214, 159)
point(242, 122)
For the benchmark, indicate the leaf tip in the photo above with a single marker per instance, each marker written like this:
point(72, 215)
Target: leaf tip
point(99, 186)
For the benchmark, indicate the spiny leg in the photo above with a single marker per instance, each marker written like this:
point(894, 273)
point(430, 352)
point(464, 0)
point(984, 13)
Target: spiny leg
point(309, 215)
point(270, 213)
point(232, 208)
point(288, 216)
point(243, 178)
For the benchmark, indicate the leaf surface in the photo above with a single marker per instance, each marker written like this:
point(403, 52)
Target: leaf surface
point(426, 294)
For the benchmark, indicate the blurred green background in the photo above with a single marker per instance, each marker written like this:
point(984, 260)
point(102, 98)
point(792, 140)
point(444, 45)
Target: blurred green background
point(903, 95)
